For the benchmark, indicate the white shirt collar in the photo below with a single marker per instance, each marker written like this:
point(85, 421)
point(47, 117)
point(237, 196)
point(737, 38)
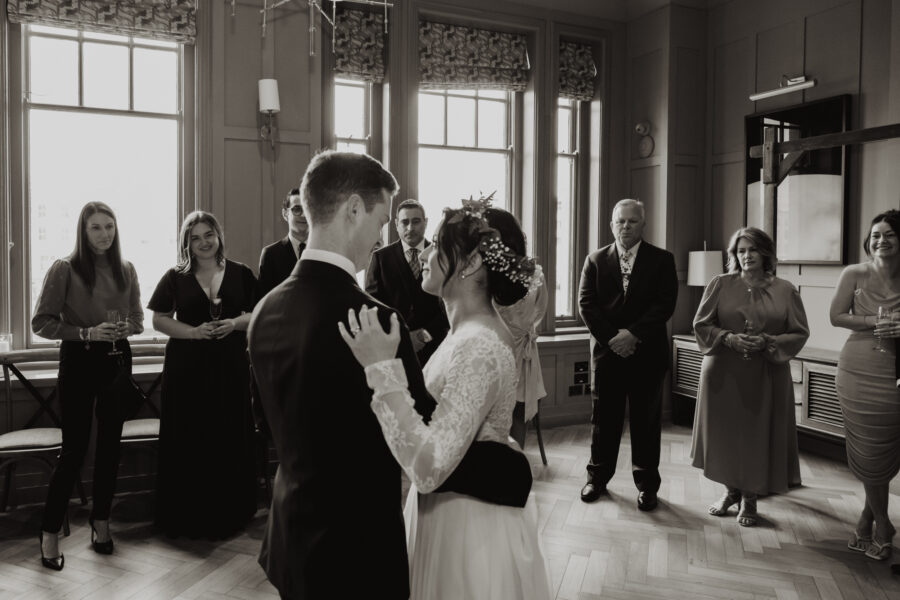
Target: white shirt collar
point(295, 243)
point(420, 247)
point(634, 249)
point(332, 258)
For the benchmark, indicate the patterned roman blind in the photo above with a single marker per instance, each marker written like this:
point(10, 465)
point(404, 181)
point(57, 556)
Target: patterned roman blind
point(577, 71)
point(359, 45)
point(459, 57)
point(170, 20)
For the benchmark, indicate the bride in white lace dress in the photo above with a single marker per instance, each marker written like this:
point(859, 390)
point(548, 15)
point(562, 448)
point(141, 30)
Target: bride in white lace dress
point(459, 547)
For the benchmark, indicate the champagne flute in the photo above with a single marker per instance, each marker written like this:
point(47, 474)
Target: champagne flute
point(215, 308)
point(113, 316)
point(883, 317)
point(748, 329)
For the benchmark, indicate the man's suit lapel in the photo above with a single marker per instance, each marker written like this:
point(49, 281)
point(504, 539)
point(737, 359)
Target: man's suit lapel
point(639, 269)
point(612, 265)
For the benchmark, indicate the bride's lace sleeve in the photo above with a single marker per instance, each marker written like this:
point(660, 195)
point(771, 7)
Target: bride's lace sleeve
point(429, 453)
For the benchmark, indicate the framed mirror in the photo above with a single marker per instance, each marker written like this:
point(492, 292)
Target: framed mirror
point(811, 202)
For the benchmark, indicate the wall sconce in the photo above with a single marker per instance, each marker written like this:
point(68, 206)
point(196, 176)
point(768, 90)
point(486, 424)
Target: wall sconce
point(269, 106)
point(703, 265)
point(645, 146)
point(788, 84)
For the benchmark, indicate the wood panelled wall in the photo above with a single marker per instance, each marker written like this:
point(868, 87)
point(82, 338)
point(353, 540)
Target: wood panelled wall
point(849, 47)
point(249, 178)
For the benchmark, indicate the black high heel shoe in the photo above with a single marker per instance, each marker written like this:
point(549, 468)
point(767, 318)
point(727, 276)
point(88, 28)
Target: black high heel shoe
point(100, 547)
point(56, 563)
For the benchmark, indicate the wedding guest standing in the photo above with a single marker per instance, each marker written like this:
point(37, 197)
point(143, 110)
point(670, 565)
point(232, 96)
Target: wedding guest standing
point(277, 260)
point(522, 319)
point(750, 324)
point(866, 379)
point(206, 480)
point(80, 294)
point(627, 294)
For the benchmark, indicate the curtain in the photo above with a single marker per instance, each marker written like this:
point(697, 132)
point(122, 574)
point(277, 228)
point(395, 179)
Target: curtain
point(577, 71)
point(459, 57)
point(359, 45)
point(171, 20)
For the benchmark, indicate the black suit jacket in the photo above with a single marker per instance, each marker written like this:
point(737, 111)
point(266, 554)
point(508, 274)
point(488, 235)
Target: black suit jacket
point(335, 521)
point(652, 292)
point(390, 280)
point(276, 262)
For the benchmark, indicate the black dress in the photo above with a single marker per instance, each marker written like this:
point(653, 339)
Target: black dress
point(206, 481)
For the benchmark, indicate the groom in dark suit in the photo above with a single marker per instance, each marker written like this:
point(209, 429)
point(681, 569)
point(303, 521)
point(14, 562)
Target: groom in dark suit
point(627, 293)
point(394, 276)
point(277, 260)
point(335, 527)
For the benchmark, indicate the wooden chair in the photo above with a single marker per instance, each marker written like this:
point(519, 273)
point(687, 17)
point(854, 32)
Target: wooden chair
point(536, 422)
point(144, 432)
point(30, 442)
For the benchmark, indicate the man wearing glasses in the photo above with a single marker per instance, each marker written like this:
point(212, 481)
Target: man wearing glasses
point(277, 260)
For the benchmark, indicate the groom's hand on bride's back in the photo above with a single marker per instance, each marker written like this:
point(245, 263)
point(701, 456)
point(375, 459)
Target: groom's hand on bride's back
point(492, 472)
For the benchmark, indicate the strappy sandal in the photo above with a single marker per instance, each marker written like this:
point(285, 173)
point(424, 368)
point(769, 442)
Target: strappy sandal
point(747, 516)
point(859, 542)
point(720, 507)
point(878, 551)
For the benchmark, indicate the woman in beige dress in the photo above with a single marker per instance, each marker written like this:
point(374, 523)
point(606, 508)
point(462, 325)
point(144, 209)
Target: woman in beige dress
point(866, 379)
point(750, 324)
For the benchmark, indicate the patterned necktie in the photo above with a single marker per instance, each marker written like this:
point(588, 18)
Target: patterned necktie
point(625, 265)
point(414, 263)
point(300, 248)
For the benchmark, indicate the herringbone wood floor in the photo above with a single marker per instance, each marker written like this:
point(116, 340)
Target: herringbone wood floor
point(604, 550)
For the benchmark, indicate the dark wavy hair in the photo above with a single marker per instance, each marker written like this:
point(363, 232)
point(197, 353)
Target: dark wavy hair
point(186, 259)
point(333, 176)
point(891, 217)
point(457, 240)
point(82, 257)
point(763, 243)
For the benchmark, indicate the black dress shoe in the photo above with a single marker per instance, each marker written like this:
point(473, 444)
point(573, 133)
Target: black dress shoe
point(56, 562)
point(592, 491)
point(100, 547)
point(647, 501)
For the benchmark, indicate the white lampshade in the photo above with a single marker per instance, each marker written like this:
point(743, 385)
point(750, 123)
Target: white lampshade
point(703, 265)
point(268, 96)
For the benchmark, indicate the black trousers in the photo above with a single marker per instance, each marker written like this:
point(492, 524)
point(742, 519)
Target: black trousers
point(615, 380)
point(84, 376)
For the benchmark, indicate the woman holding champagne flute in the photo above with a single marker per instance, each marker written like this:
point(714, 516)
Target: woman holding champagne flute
point(867, 302)
point(750, 324)
point(91, 301)
point(206, 481)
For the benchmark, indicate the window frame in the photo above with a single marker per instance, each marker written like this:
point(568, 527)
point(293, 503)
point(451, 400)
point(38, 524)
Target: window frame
point(17, 279)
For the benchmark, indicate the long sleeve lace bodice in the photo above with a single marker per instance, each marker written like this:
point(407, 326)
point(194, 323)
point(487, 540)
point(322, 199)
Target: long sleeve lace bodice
point(472, 376)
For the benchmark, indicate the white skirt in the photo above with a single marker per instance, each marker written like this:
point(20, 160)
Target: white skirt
point(460, 547)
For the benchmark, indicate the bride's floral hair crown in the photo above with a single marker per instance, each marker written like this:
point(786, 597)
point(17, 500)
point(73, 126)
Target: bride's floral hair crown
point(495, 255)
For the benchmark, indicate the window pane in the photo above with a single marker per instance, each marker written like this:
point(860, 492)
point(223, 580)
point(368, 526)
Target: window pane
point(431, 119)
point(498, 94)
point(105, 76)
point(93, 35)
point(565, 170)
point(460, 122)
point(96, 160)
point(446, 176)
point(470, 93)
point(360, 147)
point(492, 124)
point(155, 81)
point(349, 111)
point(54, 71)
point(564, 130)
point(157, 43)
point(53, 30)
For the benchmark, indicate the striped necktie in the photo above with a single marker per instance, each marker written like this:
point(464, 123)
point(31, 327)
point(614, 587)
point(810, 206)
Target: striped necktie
point(414, 263)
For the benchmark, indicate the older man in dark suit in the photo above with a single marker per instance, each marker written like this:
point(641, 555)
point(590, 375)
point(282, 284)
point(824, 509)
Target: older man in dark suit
point(277, 260)
point(627, 293)
point(394, 276)
point(335, 525)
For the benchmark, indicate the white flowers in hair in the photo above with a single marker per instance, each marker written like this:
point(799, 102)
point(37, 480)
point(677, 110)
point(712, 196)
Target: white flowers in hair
point(496, 255)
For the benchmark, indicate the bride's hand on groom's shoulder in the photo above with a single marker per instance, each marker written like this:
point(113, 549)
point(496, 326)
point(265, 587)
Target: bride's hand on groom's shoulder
point(367, 339)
